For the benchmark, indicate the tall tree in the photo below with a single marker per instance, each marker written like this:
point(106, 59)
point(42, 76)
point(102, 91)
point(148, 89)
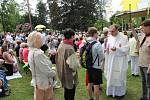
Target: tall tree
point(13, 15)
point(34, 19)
point(1, 26)
point(24, 7)
point(79, 14)
point(54, 14)
point(76, 14)
point(98, 24)
point(4, 14)
point(42, 13)
point(10, 15)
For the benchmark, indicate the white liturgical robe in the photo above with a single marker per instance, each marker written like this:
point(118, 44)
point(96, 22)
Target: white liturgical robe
point(117, 65)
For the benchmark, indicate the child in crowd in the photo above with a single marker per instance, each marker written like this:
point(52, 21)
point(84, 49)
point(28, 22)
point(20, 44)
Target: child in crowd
point(80, 41)
point(52, 53)
point(52, 50)
point(15, 64)
point(25, 53)
point(8, 64)
point(21, 52)
point(1, 53)
point(17, 48)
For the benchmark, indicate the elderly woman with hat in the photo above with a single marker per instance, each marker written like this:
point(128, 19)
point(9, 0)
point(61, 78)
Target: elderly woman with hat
point(42, 74)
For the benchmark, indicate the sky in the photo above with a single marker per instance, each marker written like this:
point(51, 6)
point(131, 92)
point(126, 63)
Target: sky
point(115, 4)
point(33, 3)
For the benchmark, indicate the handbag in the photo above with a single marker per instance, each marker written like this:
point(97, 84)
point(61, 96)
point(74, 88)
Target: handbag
point(73, 62)
point(42, 94)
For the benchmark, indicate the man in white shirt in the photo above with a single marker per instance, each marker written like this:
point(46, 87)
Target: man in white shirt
point(134, 56)
point(117, 64)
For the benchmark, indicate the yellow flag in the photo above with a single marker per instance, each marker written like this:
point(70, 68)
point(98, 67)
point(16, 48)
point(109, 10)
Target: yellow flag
point(134, 4)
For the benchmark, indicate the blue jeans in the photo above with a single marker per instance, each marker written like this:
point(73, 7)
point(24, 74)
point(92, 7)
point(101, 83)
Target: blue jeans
point(145, 83)
point(3, 79)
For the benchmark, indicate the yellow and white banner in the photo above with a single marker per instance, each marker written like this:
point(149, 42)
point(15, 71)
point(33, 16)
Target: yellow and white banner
point(124, 5)
point(130, 5)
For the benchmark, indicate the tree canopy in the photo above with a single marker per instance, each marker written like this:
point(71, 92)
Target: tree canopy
point(41, 13)
point(10, 16)
point(58, 15)
point(75, 14)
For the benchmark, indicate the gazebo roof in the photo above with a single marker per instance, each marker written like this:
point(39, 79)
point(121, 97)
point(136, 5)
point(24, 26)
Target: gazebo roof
point(138, 13)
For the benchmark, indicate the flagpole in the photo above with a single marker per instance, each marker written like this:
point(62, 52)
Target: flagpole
point(130, 17)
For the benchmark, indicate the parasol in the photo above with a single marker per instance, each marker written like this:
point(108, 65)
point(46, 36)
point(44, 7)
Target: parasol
point(40, 26)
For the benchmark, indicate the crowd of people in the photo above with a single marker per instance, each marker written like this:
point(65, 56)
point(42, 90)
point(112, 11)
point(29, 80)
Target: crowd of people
point(9, 59)
point(109, 54)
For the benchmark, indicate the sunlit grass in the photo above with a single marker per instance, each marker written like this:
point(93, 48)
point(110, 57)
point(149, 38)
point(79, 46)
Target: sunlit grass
point(21, 89)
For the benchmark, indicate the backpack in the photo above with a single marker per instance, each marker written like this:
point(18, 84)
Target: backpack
point(86, 57)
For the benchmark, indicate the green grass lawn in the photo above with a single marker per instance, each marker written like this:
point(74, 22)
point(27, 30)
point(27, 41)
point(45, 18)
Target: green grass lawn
point(21, 89)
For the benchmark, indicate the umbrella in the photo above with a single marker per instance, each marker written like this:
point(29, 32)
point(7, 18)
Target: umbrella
point(40, 26)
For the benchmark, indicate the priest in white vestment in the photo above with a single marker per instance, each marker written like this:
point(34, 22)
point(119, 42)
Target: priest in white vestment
point(117, 64)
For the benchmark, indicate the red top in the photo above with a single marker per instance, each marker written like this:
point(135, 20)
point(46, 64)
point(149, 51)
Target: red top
point(25, 54)
point(21, 53)
point(79, 42)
